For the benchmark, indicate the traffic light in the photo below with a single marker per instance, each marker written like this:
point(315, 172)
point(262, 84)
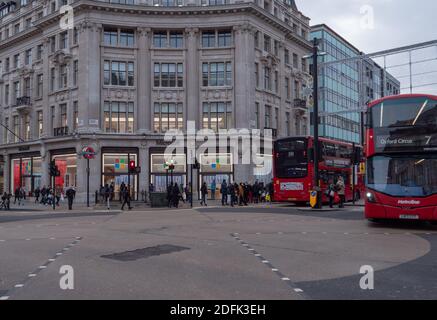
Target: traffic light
point(132, 166)
point(357, 155)
point(53, 169)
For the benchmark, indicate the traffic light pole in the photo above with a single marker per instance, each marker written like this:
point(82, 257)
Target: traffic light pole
point(88, 182)
point(316, 152)
point(353, 173)
point(54, 192)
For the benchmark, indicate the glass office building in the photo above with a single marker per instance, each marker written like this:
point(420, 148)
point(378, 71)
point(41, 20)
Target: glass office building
point(345, 86)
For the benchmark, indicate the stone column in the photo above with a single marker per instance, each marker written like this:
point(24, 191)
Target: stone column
point(47, 125)
point(244, 75)
point(45, 161)
point(7, 171)
point(89, 77)
point(191, 72)
point(143, 81)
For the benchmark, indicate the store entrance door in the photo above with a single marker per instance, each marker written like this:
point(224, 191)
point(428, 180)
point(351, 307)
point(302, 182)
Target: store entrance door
point(118, 180)
point(160, 181)
point(209, 178)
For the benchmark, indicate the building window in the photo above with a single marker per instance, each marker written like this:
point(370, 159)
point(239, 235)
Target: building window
point(287, 88)
point(168, 75)
point(110, 37)
point(267, 43)
point(16, 128)
point(17, 28)
point(39, 50)
point(75, 115)
point(75, 72)
point(168, 116)
point(267, 79)
point(16, 61)
point(127, 38)
point(52, 44)
point(304, 64)
point(26, 127)
point(296, 90)
point(17, 89)
point(27, 92)
point(39, 123)
point(287, 124)
point(168, 39)
point(160, 39)
point(63, 40)
point(276, 80)
point(216, 38)
point(75, 36)
point(53, 116)
point(28, 57)
point(276, 124)
point(268, 117)
point(257, 114)
point(6, 131)
point(276, 47)
point(217, 115)
point(63, 76)
point(119, 117)
point(167, 3)
point(63, 112)
point(256, 39)
point(257, 74)
point(295, 61)
point(52, 79)
point(7, 94)
point(176, 39)
point(216, 74)
point(287, 56)
point(224, 38)
point(118, 73)
point(208, 39)
point(7, 65)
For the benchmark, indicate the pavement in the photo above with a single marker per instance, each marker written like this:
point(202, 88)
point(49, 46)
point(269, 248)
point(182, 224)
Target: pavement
point(256, 252)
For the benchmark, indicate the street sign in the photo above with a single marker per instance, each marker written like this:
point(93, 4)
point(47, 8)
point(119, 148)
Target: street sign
point(88, 153)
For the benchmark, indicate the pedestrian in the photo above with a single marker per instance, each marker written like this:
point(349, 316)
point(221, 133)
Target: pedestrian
point(102, 193)
point(231, 190)
point(204, 193)
point(213, 189)
point(58, 191)
point(37, 193)
point(107, 196)
point(170, 194)
point(330, 193)
point(224, 192)
point(271, 190)
point(21, 196)
point(126, 197)
point(70, 193)
point(111, 191)
point(340, 186)
point(122, 187)
point(176, 195)
point(16, 195)
point(188, 192)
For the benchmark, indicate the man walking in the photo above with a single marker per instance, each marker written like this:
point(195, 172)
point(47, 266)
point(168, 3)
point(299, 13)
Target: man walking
point(204, 193)
point(224, 192)
point(70, 193)
point(126, 197)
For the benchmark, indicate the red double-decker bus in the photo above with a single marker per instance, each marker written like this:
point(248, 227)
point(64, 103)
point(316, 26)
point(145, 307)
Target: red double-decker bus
point(401, 150)
point(293, 169)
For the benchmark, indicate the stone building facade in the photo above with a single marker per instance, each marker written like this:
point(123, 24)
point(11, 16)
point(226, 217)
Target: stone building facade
point(126, 72)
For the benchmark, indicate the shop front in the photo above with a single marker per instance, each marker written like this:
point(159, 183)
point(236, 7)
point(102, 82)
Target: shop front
point(160, 174)
point(26, 172)
point(216, 167)
point(115, 165)
point(66, 161)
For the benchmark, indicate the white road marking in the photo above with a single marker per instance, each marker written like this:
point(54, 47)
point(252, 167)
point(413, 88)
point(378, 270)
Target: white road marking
point(4, 298)
point(51, 260)
point(298, 290)
point(265, 261)
point(42, 267)
point(59, 254)
point(275, 270)
point(19, 285)
point(257, 255)
point(32, 275)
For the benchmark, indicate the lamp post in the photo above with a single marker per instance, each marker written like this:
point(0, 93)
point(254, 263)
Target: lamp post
point(316, 147)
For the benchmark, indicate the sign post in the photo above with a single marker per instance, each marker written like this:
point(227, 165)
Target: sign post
point(88, 153)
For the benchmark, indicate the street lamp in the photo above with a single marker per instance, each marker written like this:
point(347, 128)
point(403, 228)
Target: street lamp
point(316, 148)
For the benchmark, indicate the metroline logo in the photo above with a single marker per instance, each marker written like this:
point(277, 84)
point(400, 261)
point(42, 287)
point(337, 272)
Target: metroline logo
point(409, 202)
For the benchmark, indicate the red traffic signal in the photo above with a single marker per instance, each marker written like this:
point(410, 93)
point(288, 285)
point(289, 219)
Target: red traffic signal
point(132, 165)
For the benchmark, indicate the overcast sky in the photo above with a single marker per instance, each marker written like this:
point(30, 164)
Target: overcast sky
point(396, 23)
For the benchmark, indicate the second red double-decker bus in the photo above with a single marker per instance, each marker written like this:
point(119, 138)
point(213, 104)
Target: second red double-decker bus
point(294, 169)
point(401, 150)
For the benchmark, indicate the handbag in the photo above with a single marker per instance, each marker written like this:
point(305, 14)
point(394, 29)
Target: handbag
point(336, 198)
point(332, 193)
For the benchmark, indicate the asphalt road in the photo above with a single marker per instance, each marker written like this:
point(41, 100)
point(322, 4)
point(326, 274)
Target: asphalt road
point(259, 252)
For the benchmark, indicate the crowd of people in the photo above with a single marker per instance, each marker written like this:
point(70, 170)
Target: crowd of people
point(241, 194)
point(45, 196)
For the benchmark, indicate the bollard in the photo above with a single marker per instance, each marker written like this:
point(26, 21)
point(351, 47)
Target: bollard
point(97, 197)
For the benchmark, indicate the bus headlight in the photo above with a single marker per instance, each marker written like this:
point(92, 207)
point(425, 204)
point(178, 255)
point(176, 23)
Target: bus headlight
point(370, 197)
